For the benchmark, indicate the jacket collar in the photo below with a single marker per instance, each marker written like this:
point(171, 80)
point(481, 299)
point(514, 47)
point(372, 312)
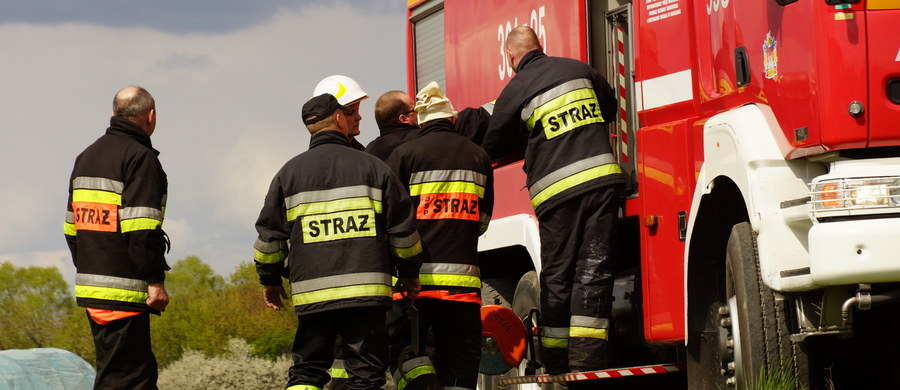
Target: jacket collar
point(328, 137)
point(529, 57)
point(390, 128)
point(120, 126)
point(436, 125)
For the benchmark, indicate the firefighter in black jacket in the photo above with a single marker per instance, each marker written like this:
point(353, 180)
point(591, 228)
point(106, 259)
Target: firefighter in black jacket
point(117, 197)
point(397, 119)
point(451, 184)
point(345, 225)
point(561, 105)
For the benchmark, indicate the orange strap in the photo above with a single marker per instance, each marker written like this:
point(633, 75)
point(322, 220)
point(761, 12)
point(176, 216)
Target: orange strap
point(103, 316)
point(445, 295)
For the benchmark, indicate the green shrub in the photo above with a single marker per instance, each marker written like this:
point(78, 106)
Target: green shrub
point(236, 369)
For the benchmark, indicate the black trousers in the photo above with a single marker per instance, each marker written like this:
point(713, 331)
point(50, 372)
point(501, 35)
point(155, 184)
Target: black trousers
point(450, 333)
point(364, 340)
point(577, 264)
point(124, 357)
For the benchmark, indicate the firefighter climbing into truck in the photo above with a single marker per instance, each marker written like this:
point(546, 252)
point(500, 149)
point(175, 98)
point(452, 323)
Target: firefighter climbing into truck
point(760, 146)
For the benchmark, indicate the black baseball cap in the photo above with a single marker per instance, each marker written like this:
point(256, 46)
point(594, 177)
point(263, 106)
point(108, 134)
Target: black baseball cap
point(320, 107)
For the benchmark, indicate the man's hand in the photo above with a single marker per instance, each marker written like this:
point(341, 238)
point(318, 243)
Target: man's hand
point(159, 298)
point(410, 286)
point(273, 296)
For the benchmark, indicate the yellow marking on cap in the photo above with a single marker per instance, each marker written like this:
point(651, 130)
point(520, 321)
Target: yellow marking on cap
point(341, 91)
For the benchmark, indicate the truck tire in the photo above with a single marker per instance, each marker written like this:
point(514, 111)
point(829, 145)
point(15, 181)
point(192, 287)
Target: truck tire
point(497, 291)
point(745, 328)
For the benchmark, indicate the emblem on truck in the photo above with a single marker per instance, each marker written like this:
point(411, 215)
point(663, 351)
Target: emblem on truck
point(770, 56)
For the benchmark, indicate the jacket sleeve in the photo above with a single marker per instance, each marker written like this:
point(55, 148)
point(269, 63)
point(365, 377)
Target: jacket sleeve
point(606, 96)
point(472, 123)
point(69, 228)
point(503, 131)
point(403, 239)
point(271, 247)
point(143, 206)
point(487, 202)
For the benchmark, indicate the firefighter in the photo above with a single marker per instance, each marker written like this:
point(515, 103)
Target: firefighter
point(561, 106)
point(450, 181)
point(348, 93)
point(345, 225)
point(398, 121)
point(113, 226)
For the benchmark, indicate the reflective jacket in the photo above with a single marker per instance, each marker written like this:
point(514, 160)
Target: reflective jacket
point(343, 222)
point(559, 106)
point(452, 187)
point(117, 198)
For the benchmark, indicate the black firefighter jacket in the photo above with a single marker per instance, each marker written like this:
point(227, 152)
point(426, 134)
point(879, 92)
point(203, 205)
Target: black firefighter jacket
point(117, 198)
point(451, 184)
point(344, 224)
point(560, 105)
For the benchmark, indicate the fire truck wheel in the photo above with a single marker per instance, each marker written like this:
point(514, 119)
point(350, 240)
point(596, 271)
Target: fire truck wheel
point(497, 291)
point(754, 321)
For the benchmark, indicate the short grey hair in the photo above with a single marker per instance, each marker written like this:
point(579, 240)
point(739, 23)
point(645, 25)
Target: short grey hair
point(134, 103)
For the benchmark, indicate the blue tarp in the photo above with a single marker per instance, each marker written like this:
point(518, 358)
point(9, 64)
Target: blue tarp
point(44, 369)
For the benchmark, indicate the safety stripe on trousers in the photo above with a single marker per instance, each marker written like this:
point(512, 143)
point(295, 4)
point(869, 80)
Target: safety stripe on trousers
point(337, 370)
point(588, 327)
point(270, 252)
point(413, 368)
point(572, 175)
point(303, 387)
point(555, 337)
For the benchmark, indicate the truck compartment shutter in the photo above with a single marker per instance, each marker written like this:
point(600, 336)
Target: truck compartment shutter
point(429, 49)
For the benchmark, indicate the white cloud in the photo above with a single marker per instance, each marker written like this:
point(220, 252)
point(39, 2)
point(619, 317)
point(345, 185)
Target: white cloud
point(228, 114)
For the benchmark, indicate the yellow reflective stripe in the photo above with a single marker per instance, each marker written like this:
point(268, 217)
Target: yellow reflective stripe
point(594, 333)
point(450, 280)
point(567, 112)
point(405, 253)
point(339, 373)
point(572, 181)
point(333, 206)
point(333, 294)
point(130, 225)
point(413, 374)
point(109, 293)
point(551, 342)
point(69, 229)
point(304, 387)
point(445, 187)
point(96, 196)
point(269, 257)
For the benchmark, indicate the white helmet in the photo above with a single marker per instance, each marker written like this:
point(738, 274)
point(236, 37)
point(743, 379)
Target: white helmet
point(346, 90)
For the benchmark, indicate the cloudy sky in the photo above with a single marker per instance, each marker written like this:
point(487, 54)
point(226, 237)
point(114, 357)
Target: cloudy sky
point(229, 77)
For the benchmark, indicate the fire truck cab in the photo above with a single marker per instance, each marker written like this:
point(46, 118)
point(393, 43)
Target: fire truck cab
point(761, 229)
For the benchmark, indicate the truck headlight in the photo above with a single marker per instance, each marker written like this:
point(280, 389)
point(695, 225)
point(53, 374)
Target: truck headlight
point(855, 194)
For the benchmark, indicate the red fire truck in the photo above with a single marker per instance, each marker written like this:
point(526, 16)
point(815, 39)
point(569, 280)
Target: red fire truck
point(761, 231)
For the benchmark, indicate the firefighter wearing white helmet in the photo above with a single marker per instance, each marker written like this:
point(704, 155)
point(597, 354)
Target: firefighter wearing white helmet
point(348, 93)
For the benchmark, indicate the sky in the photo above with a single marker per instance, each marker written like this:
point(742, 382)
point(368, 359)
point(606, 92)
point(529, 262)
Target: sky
point(229, 78)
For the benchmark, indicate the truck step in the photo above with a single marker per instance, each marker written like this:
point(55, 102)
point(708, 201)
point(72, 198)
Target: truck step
point(599, 374)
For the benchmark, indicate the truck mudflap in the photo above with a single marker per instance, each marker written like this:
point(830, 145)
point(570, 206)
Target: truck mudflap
point(593, 375)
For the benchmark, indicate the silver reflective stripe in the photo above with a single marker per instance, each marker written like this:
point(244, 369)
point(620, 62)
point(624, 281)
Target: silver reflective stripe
point(140, 212)
point(556, 333)
point(332, 194)
point(70, 217)
point(485, 218)
point(340, 281)
point(447, 175)
point(165, 198)
point(590, 322)
point(98, 183)
point(270, 247)
point(450, 269)
point(553, 93)
point(416, 362)
point(338, 364)
point(404, 242)
point(569, 170)
point(110, 281)
point(489, 107)
point(456, 388)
